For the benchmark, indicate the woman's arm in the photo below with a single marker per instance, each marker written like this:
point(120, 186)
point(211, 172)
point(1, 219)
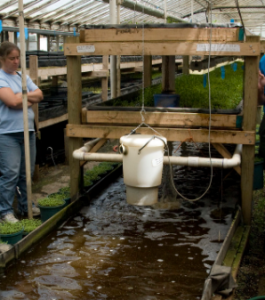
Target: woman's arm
point(35, 96)
point(11, 99)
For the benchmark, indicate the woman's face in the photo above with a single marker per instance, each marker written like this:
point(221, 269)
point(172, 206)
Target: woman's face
point(10, 63)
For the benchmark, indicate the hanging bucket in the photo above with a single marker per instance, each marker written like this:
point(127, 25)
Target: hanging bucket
point(142, 170)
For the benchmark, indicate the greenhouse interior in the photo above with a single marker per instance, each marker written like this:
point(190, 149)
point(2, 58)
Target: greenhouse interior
point(132, 149)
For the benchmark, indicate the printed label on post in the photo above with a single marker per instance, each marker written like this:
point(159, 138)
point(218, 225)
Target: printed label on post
point(157, 161)
point(85, 48)
point(219, 47)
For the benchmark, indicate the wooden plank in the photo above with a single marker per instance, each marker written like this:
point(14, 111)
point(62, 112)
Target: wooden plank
point(53, 121)
point(162, 48)
point(99, 73)
point(222, 252)
point(233, 247)
point(249, 124)
point(240, 252)
point(161, 119)
point(226, 154)
point(172, 134)
point(74, 83)
point(166, 34)
point(168, 74)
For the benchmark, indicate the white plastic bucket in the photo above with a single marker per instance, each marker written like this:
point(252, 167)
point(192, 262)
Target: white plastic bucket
point(142, 171)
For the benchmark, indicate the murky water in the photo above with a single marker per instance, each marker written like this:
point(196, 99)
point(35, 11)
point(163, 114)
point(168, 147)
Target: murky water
point(112, 250)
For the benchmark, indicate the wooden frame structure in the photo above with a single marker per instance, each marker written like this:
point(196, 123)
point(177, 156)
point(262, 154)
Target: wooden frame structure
point(175, 126)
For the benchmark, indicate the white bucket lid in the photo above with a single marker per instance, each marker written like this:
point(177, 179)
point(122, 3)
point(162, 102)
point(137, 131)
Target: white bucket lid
point(138, 140)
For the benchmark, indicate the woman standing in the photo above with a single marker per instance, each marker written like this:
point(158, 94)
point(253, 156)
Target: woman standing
point(12, 155)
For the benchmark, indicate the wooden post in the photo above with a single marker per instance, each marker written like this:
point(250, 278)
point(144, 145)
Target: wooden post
point(66, 146)
point(104, 81)
point(186, 65)
point(38, 41)
point(55, 80)
point(118, 75)
point(33, 74)
point(249, 123)
point(74, 84)
point(168, 73)
point(147, 67)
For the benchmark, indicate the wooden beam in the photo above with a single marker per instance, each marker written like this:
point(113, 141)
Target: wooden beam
point(168, 74)
point(118, 75)
point(249, 124)
point(154, 34)
point(74, 83)
point(162, 48)
point(53, 121)
point(226, 154)
point(95, 149)
point(147, 67)
point(172, 134)
point(186, 65)
point(159, 119)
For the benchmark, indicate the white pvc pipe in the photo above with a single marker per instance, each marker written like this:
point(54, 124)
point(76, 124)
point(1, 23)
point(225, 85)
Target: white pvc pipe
point(191, 161)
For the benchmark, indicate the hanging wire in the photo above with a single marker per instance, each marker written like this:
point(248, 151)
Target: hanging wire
point(143, 110)
point(52, 155)
point(210, 117)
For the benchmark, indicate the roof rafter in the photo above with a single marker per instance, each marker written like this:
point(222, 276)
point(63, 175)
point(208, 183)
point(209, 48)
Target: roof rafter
point(15, 11)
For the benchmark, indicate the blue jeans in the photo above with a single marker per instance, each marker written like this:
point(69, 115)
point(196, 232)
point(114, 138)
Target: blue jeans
point(13, 170)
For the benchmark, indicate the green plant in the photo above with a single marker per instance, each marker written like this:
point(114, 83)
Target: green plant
point(225, 93)
point(30, 225)
point(2, 242)
point(52, 201)
point(10, 228)
point(65, 191)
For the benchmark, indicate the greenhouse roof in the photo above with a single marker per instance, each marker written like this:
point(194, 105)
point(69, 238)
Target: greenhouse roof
point(65, 15)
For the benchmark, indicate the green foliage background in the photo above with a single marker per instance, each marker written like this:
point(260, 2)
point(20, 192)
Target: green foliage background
point(225, 93)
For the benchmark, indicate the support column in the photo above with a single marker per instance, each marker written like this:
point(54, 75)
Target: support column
point(113, 58)
point(186, 65)
point(74, 99)
point(104, 81)
point(168, 73)
point(33, 74)
point(147, 67)
point(249, 124)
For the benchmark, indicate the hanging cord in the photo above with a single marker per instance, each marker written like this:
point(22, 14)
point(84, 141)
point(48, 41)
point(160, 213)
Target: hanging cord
point(166, 146)
point(52, 155)
point(143, 110)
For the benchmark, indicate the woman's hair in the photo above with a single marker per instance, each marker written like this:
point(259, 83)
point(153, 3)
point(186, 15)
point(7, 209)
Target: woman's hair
point(6, 48)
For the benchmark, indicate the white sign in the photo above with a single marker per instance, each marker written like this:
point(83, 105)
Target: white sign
point(218, 47)
point(85, 48)
point(157, 161)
